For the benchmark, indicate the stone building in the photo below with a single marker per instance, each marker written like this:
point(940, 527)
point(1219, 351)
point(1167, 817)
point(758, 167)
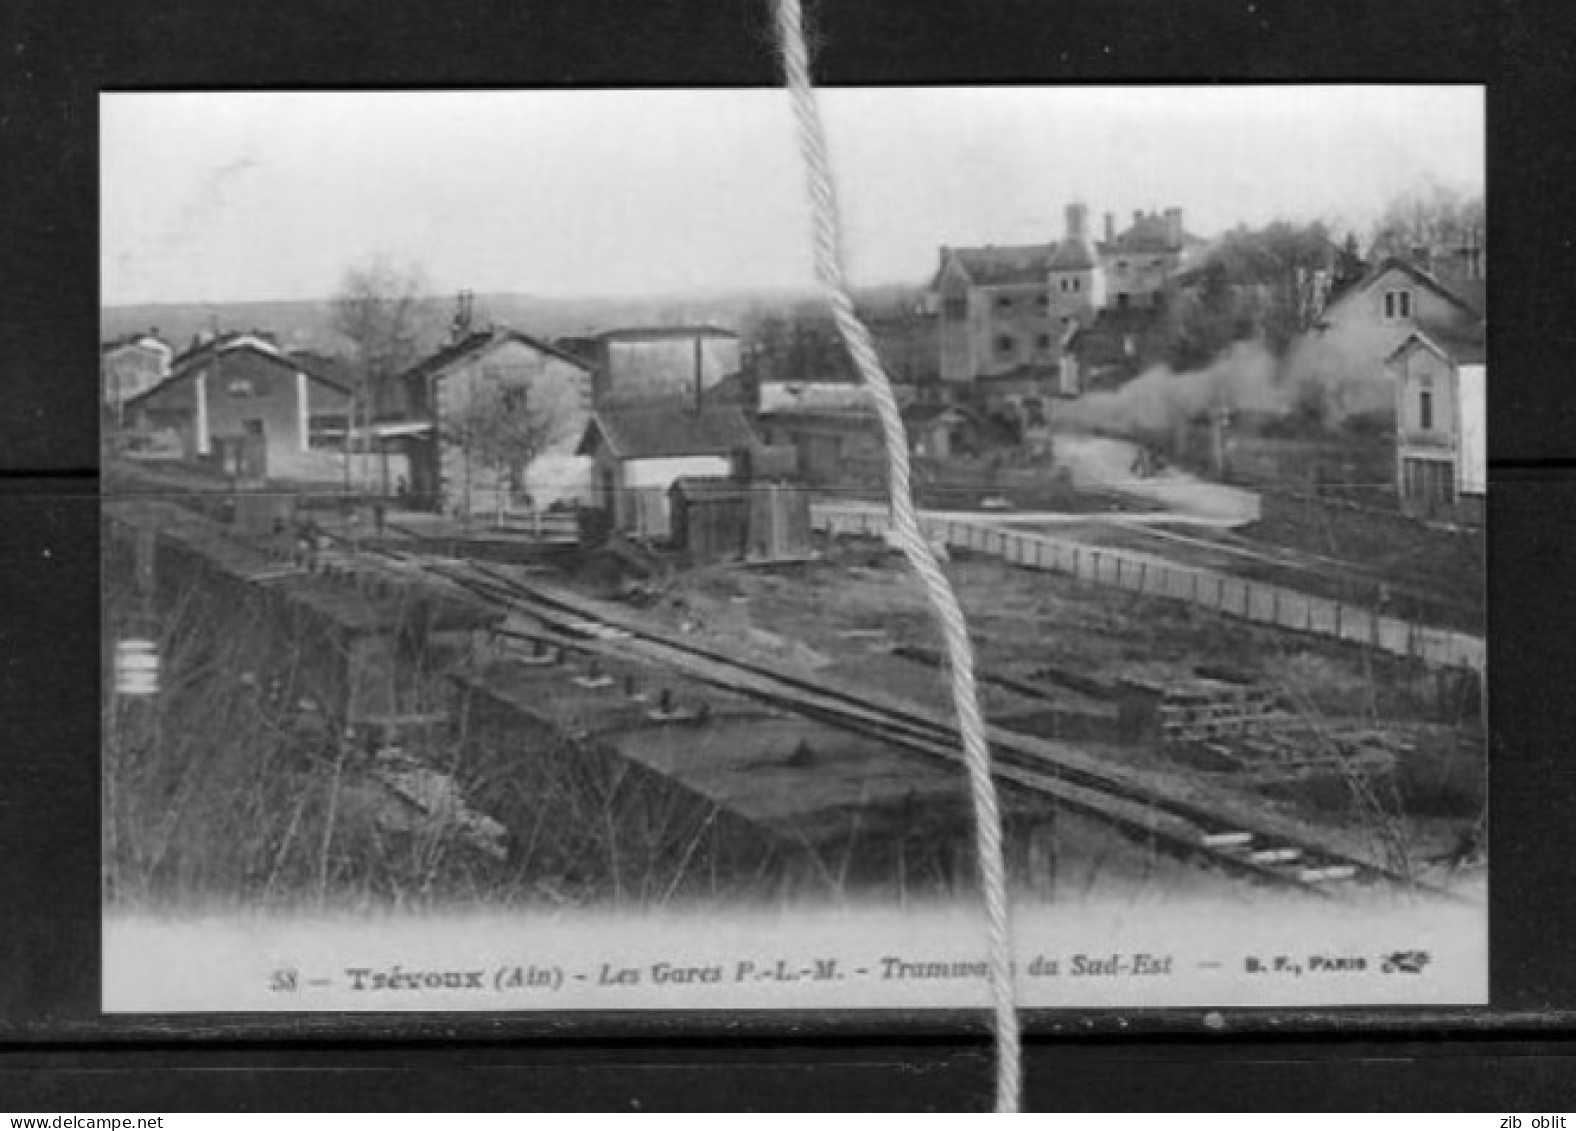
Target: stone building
point(553, 386)
point(1016, 311)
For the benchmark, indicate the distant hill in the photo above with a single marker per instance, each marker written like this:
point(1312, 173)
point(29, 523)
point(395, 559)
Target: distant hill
point(307, 324)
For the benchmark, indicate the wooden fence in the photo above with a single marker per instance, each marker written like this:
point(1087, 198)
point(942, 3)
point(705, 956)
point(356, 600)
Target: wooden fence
point(1141, 573)
point(561, 526)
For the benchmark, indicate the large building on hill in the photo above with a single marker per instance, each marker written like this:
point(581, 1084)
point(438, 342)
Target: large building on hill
point(1014, 312)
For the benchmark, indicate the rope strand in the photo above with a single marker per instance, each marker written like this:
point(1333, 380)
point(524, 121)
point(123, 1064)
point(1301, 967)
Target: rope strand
point(916, 548)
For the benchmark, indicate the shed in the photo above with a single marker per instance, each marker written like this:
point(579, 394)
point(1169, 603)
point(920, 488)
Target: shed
point(710, 517)
point(716, 519)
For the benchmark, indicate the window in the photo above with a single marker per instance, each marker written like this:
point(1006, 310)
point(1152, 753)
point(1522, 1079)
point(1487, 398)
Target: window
point(327, 431)
point(1005, 344)
point(956, 307)
point(1425, 410)
point(1043, 341)
point(1397, 304)
point(1121, 265)
point(1123, 299)
point(1077, 284)
point(1043, 301)
point(240, 388)
point(1003, 303)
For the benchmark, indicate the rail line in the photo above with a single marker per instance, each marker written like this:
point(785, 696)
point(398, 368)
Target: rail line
point(1216, 831)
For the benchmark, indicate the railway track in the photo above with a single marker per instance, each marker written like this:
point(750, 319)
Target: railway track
point(1216, 832)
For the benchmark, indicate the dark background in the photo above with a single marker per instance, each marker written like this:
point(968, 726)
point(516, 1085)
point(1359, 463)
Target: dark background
point(58, 1054)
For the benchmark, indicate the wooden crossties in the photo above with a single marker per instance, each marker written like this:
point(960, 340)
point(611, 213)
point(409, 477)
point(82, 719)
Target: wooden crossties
point(1177, 812)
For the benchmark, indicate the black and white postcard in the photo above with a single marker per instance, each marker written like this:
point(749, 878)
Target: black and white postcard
point(500, 606)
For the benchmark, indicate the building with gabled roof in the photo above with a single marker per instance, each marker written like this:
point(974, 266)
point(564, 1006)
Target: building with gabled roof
point(1348, 349)
point(1441, 459)
point(448, 469)
point(240, 398)
point(637, 451)
point(1407, 293)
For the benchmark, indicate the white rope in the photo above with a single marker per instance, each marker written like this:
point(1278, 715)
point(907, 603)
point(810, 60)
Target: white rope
point(905, 523)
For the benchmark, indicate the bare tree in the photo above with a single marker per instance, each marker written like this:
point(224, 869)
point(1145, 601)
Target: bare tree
point(383, 312)
point(505, 427)
point(1432, 217)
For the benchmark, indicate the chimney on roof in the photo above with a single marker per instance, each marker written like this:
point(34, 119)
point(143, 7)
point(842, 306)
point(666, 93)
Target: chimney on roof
point(1078, 221)
point(1174, 227)
point(1475, 254)
point(1110, 227)
point(464, 312)
point(1138, 215)
point(700, 373)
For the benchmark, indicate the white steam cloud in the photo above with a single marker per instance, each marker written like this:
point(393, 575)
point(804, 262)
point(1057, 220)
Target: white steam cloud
point(1315, 376)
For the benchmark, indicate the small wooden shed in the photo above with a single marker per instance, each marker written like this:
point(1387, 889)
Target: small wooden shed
point(715, 519)
point(710, 517)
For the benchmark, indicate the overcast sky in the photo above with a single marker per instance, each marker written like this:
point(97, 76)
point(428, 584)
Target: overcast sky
point(225, 197)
